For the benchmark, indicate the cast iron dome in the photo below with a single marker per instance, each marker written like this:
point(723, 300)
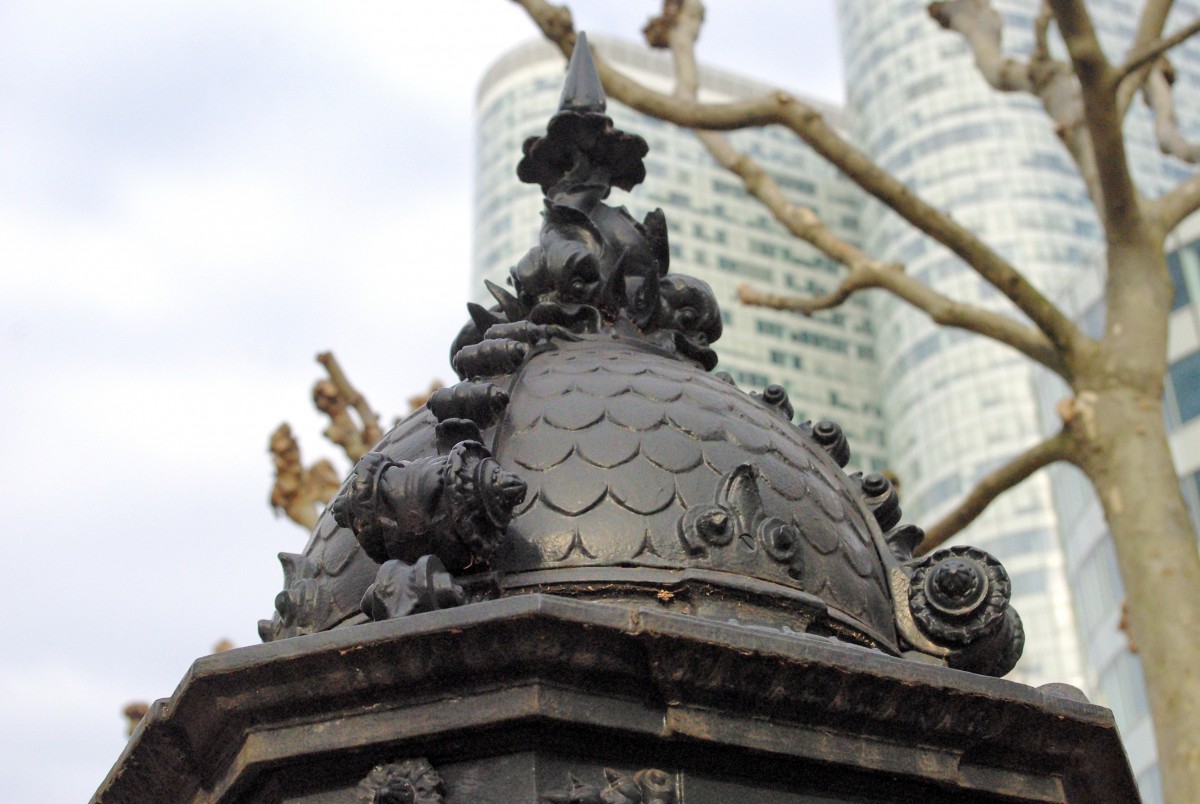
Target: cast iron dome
point(590, 452)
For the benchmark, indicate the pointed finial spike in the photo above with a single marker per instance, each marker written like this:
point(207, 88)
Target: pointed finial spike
point(483, 318)
point(508, 302)
point(582, 91)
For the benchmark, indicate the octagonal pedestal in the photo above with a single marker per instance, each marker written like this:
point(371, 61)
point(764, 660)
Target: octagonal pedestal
point(540, 698)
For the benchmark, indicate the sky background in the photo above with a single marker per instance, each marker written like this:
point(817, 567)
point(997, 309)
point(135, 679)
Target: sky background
point(195, 199)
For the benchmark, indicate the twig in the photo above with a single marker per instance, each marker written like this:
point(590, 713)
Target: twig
point(1120, 212)
point(981, 26)
point(1150, 28)
point(941, 309)
point(1161, 100)
point(332, 397)
point(1151, 53)
point(802, 304)
point(1041, 33)
point(298, 492)
point(1177, 204)
point(989, 488)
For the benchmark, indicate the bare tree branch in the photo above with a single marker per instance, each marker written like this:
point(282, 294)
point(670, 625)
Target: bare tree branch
point(1120, 211)
point(1150, 54)
point(335, 397)
point(1147, 69)
point(302, 493)
point(981, 27)
point(798, 220)
point(298, 492)
point(679, 31)
point(1161, 100)
point(1048, 79)
point(1053, 449)
point(1150, 27)
point(1127, 221)
point(659, 29)
point(807, 305)
point(941, 309)
point(1041, 33)
point(806, 122)
point(1174, 206)
point(678, 28)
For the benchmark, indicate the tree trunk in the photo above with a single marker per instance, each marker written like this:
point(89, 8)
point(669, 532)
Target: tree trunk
point(1128, 460)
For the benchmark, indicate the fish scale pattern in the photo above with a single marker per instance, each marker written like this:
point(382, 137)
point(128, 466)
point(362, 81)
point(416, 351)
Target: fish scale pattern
point(617, 442)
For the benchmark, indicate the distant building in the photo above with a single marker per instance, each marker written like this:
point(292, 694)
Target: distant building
point(717, 232)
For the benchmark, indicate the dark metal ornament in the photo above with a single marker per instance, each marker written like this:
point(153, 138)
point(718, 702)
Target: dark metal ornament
point(881, 498)
point(589, 452)
point(401, 589)
point(959, 594)
point(646, 786)
point(454, 506)
point(411, 781)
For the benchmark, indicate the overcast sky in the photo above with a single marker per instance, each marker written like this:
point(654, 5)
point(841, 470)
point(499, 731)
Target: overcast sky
point(195, 199)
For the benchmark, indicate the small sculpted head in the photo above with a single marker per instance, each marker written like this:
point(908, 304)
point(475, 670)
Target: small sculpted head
point(689, 306)
point(565, 267)
point(689, 315)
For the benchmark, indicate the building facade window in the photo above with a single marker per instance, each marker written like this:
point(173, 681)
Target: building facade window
point(1191, 495)
point(1123, 690)
point(1184, 389)
point(1175, 266)
point(1098, 583)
